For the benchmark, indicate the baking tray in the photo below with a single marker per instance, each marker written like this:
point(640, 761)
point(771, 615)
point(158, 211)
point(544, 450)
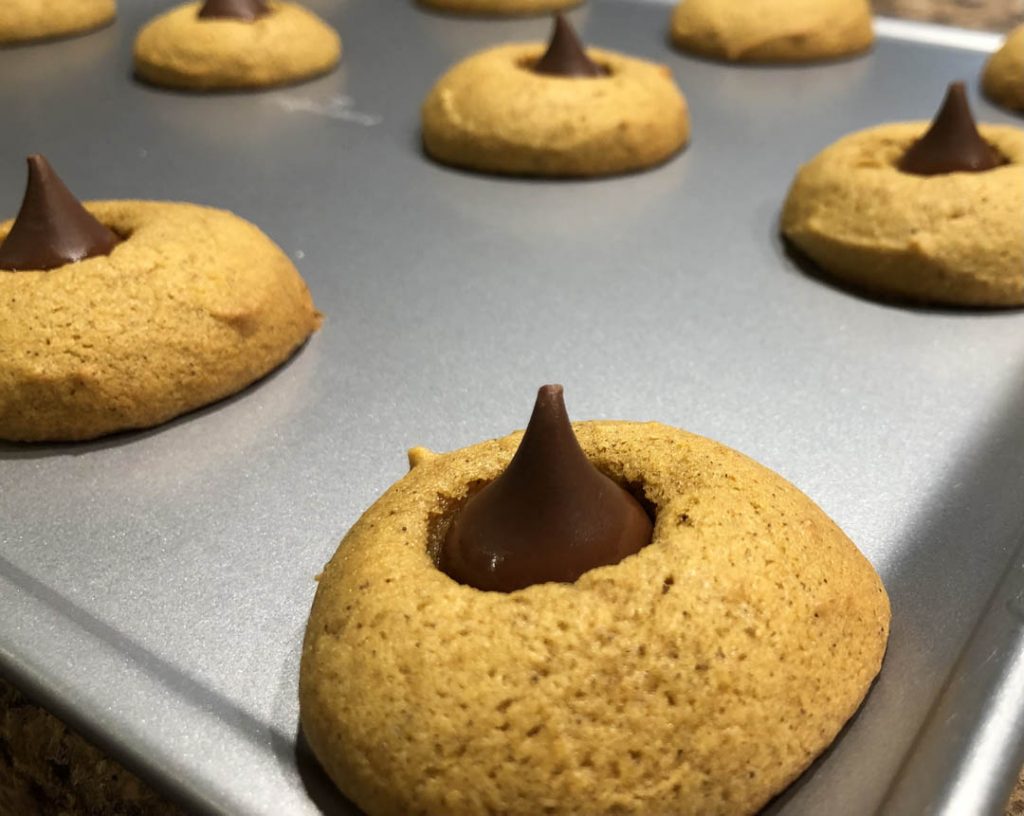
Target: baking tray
point(154, 586)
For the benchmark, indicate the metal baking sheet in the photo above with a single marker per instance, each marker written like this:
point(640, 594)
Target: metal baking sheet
point(154, 586)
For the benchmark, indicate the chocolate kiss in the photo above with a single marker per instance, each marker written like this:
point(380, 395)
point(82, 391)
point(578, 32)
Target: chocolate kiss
point(551, 515)
point(52, 227)
point(247, 10)
point(952, 143)
point(565, 55)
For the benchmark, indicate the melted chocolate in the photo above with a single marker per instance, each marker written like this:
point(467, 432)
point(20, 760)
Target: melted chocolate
point(565, 56)
point(952, 143)
point(52, 227)
point(247, 10)
point(551, 515)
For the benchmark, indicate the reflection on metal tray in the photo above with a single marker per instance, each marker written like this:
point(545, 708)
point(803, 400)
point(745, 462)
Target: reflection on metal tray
point(154, 586)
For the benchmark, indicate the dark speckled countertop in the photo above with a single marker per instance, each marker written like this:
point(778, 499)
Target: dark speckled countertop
point(991, 15)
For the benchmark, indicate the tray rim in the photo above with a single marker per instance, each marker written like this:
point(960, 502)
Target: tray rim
point(27, 678)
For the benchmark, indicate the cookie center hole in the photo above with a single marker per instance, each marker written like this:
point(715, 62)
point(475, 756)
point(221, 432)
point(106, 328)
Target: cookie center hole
point(895, 151)
point(440, 521)
point(527, 64)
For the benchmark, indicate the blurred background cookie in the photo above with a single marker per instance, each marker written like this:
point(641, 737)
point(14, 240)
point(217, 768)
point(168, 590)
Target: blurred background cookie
point(25, 20)
point(235, 44)
point(499, 8)
point(561, 111)
point(1003, 79)
point(773, 30)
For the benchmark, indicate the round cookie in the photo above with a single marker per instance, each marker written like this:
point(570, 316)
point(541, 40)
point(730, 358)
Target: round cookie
point(699, 676)
point(493, 113)
point(500, 8)
point(952, 239)
point(179, 49)
point(193, 305)
point(1003, 79)
point(773, 30)
point(26, 20)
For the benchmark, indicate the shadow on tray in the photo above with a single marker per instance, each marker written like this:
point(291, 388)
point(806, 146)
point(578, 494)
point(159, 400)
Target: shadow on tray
point(316, 782)
point(41, 450)
point(804, 265)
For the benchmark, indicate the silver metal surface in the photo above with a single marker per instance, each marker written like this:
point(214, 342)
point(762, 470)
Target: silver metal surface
point(154, 586)
point(977, 723)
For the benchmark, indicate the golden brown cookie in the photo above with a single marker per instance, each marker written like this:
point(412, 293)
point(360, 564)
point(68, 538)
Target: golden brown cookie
point(494, 114)
point(773, 30)
point(1003, 79)
point(500, 8)
point(699, 676)
point(193, 305)
point(181, 50)
point(25, 20)
point(952, 239)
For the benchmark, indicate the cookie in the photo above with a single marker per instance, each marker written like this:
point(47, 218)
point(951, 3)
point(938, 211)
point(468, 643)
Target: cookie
point(773, 30)
point(189, 304)
point(1003, 79)
point(699, 675)
point(952, 237)
point(26, 20)
point(500, 8)
point(495, 113)
point(181, 49)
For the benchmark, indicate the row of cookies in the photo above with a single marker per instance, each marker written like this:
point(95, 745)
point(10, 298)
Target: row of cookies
point(519, 109)
point(928, 214)
point(907, 211)
point(276, 42)
point(765, 31)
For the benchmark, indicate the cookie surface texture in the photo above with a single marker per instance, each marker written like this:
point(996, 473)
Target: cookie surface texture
point(500, 7)
point(953, 239)
point(493, 114)
point(1003, 80)
point(194, 305)
point(698, 676)
point(773, 30)
point(180, 50)
point(26, 20)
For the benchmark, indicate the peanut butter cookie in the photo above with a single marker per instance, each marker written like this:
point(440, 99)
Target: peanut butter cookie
point(1003, 79)
point(26, 20)
point(773, 30)
point(142, 311)
point(908, 212)
point(699, 675)
point(523, 110)
point(188, 48)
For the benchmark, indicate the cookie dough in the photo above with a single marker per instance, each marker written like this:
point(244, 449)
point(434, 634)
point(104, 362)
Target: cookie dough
point(773, 30)
point(25, 20)
point(1003, 79)
point(180, 50)
point(492, 113)
point(699, 676)
point(952, 239)
point(500, 7)
point(194, 305)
